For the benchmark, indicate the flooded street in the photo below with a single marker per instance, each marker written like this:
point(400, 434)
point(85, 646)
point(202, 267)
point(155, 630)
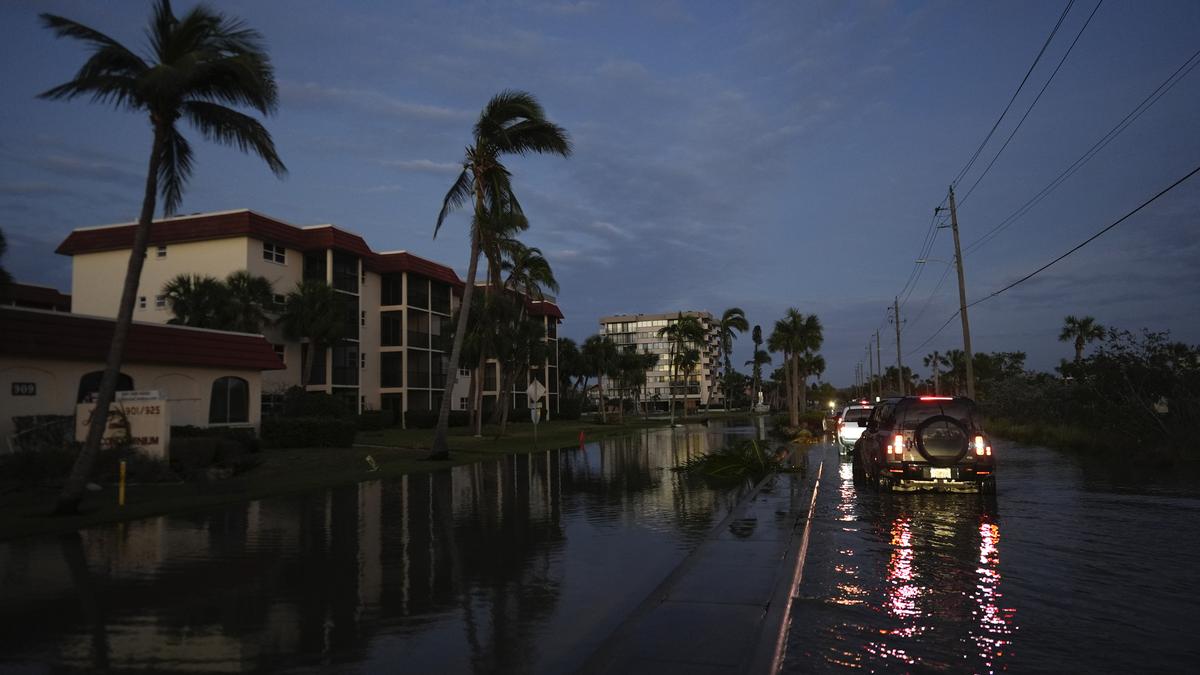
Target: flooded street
point(520, 565)
point(1073, 567)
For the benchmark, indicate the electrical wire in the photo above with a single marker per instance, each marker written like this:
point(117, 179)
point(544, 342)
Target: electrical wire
point(1012, 99)
point(1028, 110)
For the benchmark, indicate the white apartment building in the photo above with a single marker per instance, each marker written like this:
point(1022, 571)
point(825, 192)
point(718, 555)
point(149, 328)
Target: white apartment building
point(640, 332)
point(397, 355)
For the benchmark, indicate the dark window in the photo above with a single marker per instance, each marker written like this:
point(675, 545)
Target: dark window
point(90, 384)
point(911, 413)
point(275, 253)
point(345, 364)
point(418, 292)
point(438, 378)
point(489, 377)
point(351, 320)
point(391, 329)
point(418, 400)
point(854, 415)
point(392, 292)
point(552, 353)
point(391, 369)
point(345, 272)
point(318, 366)
point(439, 332)
point(348, 397)
point(418, 369)
point(418, 329)
point(439, 297)
point(551, 327)
point(230, 403)
point(393, 403)
point(314, 266)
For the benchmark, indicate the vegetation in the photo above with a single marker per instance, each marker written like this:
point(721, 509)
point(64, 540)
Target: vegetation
point(197, 66)
point(741, 461)
point(314, 311)
point(5, 277)
point(798, 337)
point(683, 333)
point(733, 321)
point(512, 123)
point(1081, 332)
point(600, 360)
point(243, 302)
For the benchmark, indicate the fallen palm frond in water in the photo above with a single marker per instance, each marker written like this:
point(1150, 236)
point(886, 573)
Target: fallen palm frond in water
point(743, 460)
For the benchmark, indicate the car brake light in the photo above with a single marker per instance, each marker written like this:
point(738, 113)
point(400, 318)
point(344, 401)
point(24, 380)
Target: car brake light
point(897, 446)
point(979, 445)
point(937, 398)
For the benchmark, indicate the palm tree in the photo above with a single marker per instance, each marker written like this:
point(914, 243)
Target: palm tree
point(686, 361)
point(680, 332)
point(808, 363)
point(1082, 331)
point(529, 275)
point(757, 362)
point(600, 354)
point(197, 66)
point(794, 335)
point(316, 312)
point(250, 299)
point(733, 320)
point(937, 361)
point(512, 122)
point(196, 300)
point(569, 369)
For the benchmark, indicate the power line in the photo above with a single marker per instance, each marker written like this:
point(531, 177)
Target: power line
point(1165, 86)
point(1032, 104)
point(1004, 112)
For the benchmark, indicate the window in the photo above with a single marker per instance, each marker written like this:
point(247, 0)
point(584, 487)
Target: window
point(391, 369)
point(392, 292)
point(272, 404)
point(345, 272)
point(141, 302)
point(281, 352)
point(439, 298)
point(318, 366)
point(279, 299)
point(391, 329)
point(230, 403)
point(464, 372)
point(314, 266)
point(551, 327)
point(362, 360)
point(441, 364)
point(90, 384)
point(418, 329)
point(161, 251)
point(160, 302)
point(345, 364)
point(462, 403)
point(363, 319)
point(418, 292)
point(418, 369)
point(275, 253)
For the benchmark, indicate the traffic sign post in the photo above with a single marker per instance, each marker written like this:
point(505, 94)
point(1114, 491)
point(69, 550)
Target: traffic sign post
point(534, 393)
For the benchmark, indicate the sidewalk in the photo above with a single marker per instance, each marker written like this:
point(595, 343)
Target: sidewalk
point(722, 610)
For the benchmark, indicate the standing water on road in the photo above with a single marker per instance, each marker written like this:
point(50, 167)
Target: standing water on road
point(1071, 567)
point(524, 564)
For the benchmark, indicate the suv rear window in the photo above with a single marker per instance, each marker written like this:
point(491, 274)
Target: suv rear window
point(856, 415)
point(911, 413)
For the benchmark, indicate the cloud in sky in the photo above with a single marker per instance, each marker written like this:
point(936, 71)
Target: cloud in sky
point(763, 155)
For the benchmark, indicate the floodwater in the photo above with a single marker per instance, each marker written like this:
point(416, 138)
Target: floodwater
point(1074, 566)
point(520, 565)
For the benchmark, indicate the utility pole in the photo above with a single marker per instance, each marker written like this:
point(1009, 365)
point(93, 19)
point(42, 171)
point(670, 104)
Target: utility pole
point(871, 365)
point(879, 363)
point(899, 368)
point(937, 387)
point(962, 300)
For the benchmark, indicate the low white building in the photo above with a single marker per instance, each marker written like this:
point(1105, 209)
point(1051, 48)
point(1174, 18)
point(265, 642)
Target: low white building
point(50, 361)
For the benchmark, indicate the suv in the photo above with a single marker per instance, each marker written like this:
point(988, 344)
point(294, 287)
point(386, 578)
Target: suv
point(851, 424)
point(925, 442)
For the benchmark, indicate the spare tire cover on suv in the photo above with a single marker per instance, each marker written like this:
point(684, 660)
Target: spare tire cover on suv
point(942, 440)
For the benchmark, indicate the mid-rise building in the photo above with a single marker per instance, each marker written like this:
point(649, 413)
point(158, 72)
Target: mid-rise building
point(640, 332)
point(396, 353)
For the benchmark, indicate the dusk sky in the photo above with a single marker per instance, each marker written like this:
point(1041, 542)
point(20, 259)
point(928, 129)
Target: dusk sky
point(761, 155)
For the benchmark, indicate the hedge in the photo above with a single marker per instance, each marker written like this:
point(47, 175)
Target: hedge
point(243, 436)
point(427, 419)
point(308, 432)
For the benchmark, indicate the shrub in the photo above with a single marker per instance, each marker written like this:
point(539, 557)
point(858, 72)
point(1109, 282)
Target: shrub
point(300, 403)
point(569, 408)
point(37, 432)
point(374, 420)
point(50, 466)
point(308, 432)
point(244, 436)
point(427, 419)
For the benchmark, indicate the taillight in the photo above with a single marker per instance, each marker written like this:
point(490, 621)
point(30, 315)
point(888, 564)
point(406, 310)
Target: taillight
point(982, 448)
point(897, 446)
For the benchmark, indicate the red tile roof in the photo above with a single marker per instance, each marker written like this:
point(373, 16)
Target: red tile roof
point(544, 308)
point(207, 226)
point(36, 297)
point(56, 335)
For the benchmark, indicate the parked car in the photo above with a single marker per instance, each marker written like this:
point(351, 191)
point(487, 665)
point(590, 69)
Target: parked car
point(852, 424)
point(830, 421)
point(925, 442)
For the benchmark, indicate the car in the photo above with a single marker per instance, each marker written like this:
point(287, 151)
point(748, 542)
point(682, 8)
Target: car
point(830, 421)
point(852, 423)
point(925, 443)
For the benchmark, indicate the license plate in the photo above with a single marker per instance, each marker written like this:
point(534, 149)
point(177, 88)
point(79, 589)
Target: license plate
point(939, 473)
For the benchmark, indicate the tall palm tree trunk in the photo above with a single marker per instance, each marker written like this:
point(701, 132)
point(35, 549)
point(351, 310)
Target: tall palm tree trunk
point(72, 493)
point(477, 419)
point(441, 449)
point(306, 369)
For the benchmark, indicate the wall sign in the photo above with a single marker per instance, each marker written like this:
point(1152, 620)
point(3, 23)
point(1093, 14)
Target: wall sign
point(24, 388)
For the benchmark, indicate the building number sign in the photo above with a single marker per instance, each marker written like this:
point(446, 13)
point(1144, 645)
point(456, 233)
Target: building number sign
point(24, 388)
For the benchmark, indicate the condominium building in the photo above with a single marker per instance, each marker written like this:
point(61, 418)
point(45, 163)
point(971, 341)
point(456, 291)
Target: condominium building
point(396, 353)
point(640, 332)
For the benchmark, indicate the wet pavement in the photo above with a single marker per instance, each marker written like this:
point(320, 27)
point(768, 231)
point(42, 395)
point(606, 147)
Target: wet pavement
point(1074, 566)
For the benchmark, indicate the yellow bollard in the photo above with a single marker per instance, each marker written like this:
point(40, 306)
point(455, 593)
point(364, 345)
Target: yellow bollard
point(121, 489)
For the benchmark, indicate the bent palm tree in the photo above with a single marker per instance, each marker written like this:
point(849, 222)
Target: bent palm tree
point(512, 123)
point(733, 321)
point(316, 312)
point(1082, 331)
point(197, 65)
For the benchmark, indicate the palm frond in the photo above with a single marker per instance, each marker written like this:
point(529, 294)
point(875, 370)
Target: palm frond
point(122, 92)
point(64, 27)
point(460, 192)
point(230, 127)
point(535, 136)
point(174, 168)
point(245, 78)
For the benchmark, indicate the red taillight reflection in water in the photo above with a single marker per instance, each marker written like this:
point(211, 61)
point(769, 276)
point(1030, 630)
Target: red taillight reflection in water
point(992, 636)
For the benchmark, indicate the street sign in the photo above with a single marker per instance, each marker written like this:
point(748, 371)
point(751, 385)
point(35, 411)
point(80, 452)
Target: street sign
point(535, 391)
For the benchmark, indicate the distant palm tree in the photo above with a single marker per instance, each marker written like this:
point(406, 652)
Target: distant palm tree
point(600, 355)
point(808, 364)
point(680, 332)
point(317, 313)
point(196, 300)
point(757, 362)
point(197, 65)
point(512, 123)
point(529, 276)
point(686, 362)
point(795, 335)
point(936, 362)
point(733, 321)
point(1082, 331)
point(250, 302)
